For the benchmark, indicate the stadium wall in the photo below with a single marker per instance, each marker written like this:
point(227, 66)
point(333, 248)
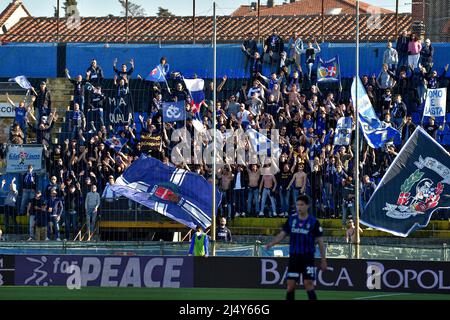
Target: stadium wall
point(41, 60)
point(31, 60)
point(229, 272)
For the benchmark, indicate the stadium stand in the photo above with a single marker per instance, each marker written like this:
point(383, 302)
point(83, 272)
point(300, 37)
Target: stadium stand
point(85, 147)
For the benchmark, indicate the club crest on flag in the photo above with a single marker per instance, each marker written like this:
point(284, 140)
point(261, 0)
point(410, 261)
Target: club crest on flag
point(331, 71)
point(165, 192)
point(328, 71)
point(418, 193)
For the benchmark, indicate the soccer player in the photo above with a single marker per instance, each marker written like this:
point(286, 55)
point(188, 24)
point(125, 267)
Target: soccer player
point(304, 230)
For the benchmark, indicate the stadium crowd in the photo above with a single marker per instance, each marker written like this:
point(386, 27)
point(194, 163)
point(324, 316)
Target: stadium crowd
point(82, 168)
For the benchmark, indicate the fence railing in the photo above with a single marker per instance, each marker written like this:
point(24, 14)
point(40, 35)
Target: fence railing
point(256, 249)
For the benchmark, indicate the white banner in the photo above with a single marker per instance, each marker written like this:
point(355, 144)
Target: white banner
point(343, 132)
point(19, 157)
point(435, 104)
point(6, 110)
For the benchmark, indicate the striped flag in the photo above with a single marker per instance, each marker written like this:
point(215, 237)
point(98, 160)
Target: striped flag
point(263, 145)
point(169, 191)
point(195, 88)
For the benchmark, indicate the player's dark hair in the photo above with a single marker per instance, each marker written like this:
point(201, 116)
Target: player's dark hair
point(304, 198)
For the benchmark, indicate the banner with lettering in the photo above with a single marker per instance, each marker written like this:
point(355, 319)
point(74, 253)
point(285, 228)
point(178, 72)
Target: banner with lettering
point(18, 158)
point(435, 104)
point(118, 111)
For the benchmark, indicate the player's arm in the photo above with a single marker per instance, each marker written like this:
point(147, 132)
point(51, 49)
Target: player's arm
point(323, 259)
point(279, 237)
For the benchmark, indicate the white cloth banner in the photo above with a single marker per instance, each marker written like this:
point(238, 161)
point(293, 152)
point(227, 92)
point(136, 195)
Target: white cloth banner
point(435, 104)
point(19, 157)
point(343, 132)
point(22, 81)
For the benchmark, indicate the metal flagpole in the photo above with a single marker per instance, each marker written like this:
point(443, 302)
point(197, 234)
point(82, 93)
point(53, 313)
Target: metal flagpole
point(357, 184)
point(213, 218)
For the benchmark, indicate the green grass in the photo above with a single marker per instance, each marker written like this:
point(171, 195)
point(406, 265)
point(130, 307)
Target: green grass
point(95, 293)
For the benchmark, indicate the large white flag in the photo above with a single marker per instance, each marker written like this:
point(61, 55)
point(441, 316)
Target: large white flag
point(22, 81)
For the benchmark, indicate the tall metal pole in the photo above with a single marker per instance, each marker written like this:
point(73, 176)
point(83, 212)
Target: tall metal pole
point(126, 18)
point(259, 5)
point(57, 21)
point(396, 18)
point(193, 21)
point(213, 224)
point(323, 21)
point(357, 136)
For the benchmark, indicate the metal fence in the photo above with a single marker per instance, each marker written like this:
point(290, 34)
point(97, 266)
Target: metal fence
point(162, 248)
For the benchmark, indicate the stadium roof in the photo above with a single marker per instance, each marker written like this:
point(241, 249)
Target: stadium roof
point(111, 29)
point(154, 29)
point(308, 7)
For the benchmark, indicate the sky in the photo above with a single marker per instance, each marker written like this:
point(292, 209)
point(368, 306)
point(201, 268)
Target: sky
point(39, 8)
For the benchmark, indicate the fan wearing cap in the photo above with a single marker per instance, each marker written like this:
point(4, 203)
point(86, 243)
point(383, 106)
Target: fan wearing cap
point(426, 55)
point(199, 243)
point(43, 102)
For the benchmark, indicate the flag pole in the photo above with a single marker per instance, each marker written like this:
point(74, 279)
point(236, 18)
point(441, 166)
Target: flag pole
point(357, 181)
point(213, 218)
point(165, 80)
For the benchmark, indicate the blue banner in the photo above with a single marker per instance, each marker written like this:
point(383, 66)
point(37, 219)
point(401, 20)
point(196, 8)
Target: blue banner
point(329, 70)
point(174, 111)
point(374, 131)
point(416, 185)
point(181, 195)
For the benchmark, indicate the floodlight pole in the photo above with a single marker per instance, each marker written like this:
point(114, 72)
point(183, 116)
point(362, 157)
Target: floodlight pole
point(193, 21)
point(57, 21)
point(214, 209)
point(126, 21)
point(357, 180)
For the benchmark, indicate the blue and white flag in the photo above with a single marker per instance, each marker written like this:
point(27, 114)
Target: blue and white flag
point(174, 111)
point(262, 145)
point(414, 187)
point(22, 81)
point(329, 70)
point(181, 195)
point(343, 132)
point(375, 133)
point(116, 143)
point(156, 75)
point(436, 103)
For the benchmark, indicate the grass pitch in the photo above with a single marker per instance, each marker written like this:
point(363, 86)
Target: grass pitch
point(95, 293)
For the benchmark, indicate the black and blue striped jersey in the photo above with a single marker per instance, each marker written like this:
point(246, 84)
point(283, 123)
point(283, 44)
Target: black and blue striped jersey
point(303, 234)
